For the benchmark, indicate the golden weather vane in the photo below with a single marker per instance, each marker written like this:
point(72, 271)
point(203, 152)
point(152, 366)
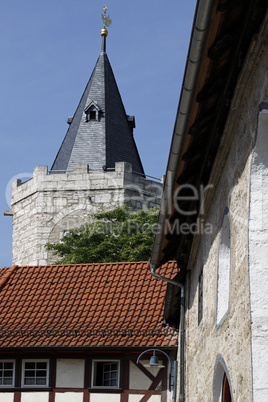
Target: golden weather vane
point(106, 18)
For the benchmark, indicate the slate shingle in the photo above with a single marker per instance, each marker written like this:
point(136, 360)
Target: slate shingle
point(105, 141)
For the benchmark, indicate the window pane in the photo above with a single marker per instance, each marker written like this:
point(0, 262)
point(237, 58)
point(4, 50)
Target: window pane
point(7, 381)
point(8, 365)
point(29, 373)
point(8, 373)
point(41, 381)
point(41, 373)
point(30, 365)
point(29, 381)
point(41, 365)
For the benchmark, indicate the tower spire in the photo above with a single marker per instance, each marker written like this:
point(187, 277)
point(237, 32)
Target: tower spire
point(100, 132)
point(104, 33)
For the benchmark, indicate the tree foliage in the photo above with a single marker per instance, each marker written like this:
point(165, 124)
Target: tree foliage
point(113, 236)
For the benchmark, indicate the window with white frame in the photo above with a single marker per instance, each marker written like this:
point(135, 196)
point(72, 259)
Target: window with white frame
point(35, 373)
point(7, 373)
point(105, 373)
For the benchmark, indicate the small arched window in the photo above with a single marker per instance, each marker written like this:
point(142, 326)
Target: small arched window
point(224, 267)
point(222, 391)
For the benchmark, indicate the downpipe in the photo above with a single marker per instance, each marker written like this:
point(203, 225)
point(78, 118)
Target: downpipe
point(182, 310)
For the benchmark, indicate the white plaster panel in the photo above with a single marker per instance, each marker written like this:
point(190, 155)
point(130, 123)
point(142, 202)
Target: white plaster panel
point(69, 396)
point(70, 373)
point(224, 265)
point(103, 398)
point(265, 200)
point(137, 379)
point(258, 260)
point(135, 398)
point(34, 396)
point(6, 396)
point(155, 398)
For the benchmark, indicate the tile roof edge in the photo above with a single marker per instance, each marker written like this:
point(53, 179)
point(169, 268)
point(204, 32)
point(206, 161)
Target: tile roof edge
point(7, 275)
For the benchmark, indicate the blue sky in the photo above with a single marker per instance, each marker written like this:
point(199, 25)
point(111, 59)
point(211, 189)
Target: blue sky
point(48, 50)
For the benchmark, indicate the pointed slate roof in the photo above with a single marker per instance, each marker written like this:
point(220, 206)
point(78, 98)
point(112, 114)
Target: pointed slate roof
point(106, 136)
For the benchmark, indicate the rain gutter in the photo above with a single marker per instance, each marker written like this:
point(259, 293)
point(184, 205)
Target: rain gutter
point(181, 286)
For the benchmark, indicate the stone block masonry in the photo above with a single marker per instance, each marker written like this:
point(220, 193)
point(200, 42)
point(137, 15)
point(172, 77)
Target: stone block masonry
point(49, 205)
point(238, 342)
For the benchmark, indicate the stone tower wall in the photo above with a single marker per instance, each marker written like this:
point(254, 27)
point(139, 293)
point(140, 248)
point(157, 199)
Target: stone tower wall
point(48, 205)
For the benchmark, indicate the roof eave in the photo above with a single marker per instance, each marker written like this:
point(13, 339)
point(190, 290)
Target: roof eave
point(190, 79)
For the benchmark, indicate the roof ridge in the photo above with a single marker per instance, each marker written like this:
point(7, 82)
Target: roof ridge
point(7, 275)
point(93, 264)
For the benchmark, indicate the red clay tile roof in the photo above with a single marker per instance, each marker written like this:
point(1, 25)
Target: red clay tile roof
point(103, 305)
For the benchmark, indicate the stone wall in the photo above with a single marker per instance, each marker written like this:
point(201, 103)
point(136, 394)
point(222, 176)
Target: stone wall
point(48, 205)
point(258, 258)
point(209, 346)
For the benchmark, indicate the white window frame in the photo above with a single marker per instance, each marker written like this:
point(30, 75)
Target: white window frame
point(23, 373)
point(13, 371)
point(93, 373)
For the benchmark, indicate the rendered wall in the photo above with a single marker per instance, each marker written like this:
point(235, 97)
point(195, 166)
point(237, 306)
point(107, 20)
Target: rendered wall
point(70, 373)
point(34, 396)
point(208, 345)
point(258, 258)
point(69, 397)
point(49, 204)
point(137, 379)
point(70, 382)
point(7, 397)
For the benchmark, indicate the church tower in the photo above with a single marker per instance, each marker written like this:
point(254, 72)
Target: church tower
point(97, 168)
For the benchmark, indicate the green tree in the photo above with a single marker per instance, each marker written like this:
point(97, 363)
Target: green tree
point(113, 236)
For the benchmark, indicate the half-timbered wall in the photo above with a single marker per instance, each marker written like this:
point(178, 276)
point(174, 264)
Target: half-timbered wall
point(70, 380)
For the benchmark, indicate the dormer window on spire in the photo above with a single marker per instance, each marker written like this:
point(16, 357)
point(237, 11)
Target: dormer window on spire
point(93, 112)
